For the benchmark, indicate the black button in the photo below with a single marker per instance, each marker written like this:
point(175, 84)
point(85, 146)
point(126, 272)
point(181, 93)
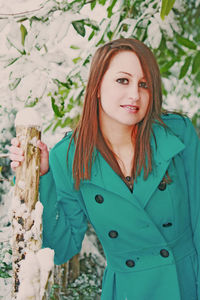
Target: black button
point(162, 185)
point(164, 253)
point(99, 199)
point(167, 224)
point(128, 178)
point(113, 234)
point(130, 263)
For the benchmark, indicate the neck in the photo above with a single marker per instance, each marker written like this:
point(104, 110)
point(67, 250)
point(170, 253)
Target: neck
point(118, 136)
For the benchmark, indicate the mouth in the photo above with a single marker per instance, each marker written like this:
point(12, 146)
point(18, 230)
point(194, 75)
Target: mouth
point(130, 108)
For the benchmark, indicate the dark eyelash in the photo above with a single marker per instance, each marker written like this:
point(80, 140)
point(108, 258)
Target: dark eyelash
point(121, 80)
point(144, 85)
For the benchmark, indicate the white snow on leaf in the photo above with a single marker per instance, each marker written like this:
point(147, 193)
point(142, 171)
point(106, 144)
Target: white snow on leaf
point(132, 26)
point(14, 35)
point(32, 86)
point(3, 23)
point(58, 72)
point(22, 68)
point(154, 34)
point(30, 39)
point(74, 112)
point(114, 21)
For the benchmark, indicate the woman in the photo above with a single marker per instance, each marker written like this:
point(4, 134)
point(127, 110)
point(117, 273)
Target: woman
point(131, 171)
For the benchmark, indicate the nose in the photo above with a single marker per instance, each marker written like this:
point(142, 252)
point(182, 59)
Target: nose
point(133, 92)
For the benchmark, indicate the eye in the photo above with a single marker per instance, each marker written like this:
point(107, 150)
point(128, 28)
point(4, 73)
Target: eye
point(143, 84)
point(122, 80)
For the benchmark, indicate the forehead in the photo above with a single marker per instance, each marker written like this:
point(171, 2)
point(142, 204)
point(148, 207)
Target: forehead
point(125, 61)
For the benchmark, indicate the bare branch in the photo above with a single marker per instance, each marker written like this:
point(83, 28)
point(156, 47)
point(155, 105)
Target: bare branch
point(4, 155)
point(24, 13)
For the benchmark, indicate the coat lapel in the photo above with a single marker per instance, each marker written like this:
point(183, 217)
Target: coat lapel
point(167, 145)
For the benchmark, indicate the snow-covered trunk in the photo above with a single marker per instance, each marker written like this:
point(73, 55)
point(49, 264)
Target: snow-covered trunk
point(31, 265)
point(26, 194)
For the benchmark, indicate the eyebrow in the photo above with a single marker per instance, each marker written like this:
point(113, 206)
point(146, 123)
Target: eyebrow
point(129, 74)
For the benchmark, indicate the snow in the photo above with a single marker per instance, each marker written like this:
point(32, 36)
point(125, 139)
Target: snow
point(21, 184)
point(34, 274)
point(28, 117)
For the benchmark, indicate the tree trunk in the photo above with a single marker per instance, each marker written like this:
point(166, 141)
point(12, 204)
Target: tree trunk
point(26, 228)
point(74, 268)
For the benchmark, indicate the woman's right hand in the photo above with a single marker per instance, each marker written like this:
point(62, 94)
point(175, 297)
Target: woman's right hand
point(17, 156)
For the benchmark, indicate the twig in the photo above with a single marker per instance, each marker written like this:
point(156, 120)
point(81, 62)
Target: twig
point(4, 179)
point(21, 13)
point(4, 155)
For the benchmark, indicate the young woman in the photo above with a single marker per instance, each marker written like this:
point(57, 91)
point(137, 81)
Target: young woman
point(134, 173)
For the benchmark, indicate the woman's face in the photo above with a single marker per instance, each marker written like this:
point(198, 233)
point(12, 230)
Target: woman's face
point(124, 94)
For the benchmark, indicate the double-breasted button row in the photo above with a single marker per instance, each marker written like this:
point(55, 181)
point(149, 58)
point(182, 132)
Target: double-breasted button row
point(130, 263)
point(99, 199)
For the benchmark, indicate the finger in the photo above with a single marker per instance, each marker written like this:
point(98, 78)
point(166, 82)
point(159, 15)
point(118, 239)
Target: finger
point(15, 142)
point(15, 150)
point(42, 146)
point(15, 157)
point(14, 165)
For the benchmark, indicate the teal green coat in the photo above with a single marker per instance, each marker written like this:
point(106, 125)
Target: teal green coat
point(151, 237)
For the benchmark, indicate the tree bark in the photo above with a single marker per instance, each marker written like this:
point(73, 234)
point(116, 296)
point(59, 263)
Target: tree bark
point(26, 234)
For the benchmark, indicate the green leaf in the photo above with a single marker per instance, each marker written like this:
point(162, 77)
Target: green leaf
point(167, 66)
point(79, 27)
point(74, 47)
point(102, 2)
point(4, 274)
point(198, 77)
point(32, 103)
point(186, 42)
point(23, 33)
point(11, 61)
point(93, 4)
point(13, 45)
point(91, 35)
point(14, 84)
point(110, 8)
point(185, 67)
point(196, 63)
point(56, 110)
point(109, 34)
point(48, 127)
point(77, 59)
point(166, 7)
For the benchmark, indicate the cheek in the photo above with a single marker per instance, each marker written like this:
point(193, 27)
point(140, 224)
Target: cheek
point(145, 96)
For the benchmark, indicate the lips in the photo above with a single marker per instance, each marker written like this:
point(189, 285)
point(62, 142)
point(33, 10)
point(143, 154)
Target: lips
point(131, 108)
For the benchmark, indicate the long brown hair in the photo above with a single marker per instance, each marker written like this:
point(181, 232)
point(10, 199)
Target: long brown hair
point(87, 133)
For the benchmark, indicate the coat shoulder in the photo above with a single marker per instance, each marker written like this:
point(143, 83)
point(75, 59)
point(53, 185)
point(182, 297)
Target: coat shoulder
point(63, 144)
point(60, 150)
point(180, 125)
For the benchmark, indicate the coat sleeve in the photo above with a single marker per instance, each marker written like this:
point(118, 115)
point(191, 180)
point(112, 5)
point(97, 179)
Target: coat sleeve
point(191, 158)
point(64, 219)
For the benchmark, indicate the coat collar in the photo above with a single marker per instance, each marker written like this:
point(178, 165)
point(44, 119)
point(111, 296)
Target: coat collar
point(167, 145)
